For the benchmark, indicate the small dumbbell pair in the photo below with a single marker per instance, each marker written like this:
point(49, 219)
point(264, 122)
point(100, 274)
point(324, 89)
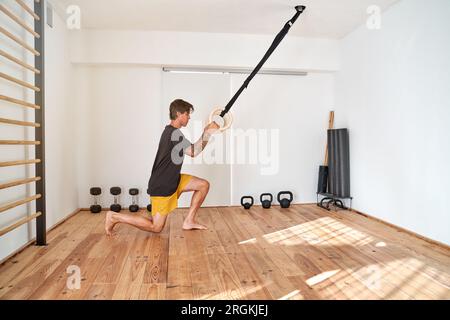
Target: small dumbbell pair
point(116, 207)
point(134, 193)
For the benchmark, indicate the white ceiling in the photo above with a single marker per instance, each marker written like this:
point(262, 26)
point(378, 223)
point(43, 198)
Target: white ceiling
point(332, 19)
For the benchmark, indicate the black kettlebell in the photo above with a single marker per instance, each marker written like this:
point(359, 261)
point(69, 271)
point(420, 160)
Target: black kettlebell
point(247, 205)
point(266, 203)
point(285, 203)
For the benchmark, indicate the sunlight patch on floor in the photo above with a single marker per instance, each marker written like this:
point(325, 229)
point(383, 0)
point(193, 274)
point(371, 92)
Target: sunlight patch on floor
point(323, 230)
point(394, 278)
point(321, 277)
point(248, 241)
point(294, 295)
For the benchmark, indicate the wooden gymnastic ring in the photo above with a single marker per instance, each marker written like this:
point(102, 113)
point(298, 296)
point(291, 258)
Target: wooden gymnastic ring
point(228, 118)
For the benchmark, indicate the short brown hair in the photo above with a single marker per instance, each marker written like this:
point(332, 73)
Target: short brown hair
point(180, 106)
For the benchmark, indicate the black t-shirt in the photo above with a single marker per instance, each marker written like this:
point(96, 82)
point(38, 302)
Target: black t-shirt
point(169, 159)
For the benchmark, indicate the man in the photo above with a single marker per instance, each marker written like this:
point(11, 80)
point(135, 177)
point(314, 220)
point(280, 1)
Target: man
point(166, 184)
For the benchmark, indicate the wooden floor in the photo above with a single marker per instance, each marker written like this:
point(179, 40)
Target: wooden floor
point(299, 253)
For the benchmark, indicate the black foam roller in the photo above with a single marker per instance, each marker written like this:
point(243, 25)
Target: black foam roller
point(339, 163)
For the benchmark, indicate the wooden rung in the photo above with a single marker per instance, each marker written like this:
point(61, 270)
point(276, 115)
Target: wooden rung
point(20, 102)
point(19, 142)
point(19, 163)
point(18, 21)
point(19, 41)
point(19, 82)
point(20, 123)
point(28, 9)
point(19, 203)
point(19, 223)
point(18, 61)
point(16, 183)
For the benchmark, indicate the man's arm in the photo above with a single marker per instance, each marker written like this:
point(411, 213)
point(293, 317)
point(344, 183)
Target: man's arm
point(195, 149)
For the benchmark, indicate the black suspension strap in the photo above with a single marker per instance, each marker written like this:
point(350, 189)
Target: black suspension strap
point(280, 36)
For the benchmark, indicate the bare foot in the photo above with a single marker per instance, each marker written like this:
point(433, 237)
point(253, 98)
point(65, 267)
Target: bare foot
point(109, 223)
point(193, 226)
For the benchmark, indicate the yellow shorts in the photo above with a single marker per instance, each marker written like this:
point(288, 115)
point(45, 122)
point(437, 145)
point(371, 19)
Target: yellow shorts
point(165, 205)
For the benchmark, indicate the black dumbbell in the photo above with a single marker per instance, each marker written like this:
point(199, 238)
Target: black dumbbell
point(285, 203)
point(266, 203)
point(116, 191)
point(134, 207)
point(247, 205)
point(95, 191)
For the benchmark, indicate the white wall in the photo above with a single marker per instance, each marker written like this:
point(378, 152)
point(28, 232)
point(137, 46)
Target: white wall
point(123, 111)
point(60, 161)
point(118, 84)
point(61, 132)
point(392, 93)
point(291, 113)
point(201, 49)
point(120, 119)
